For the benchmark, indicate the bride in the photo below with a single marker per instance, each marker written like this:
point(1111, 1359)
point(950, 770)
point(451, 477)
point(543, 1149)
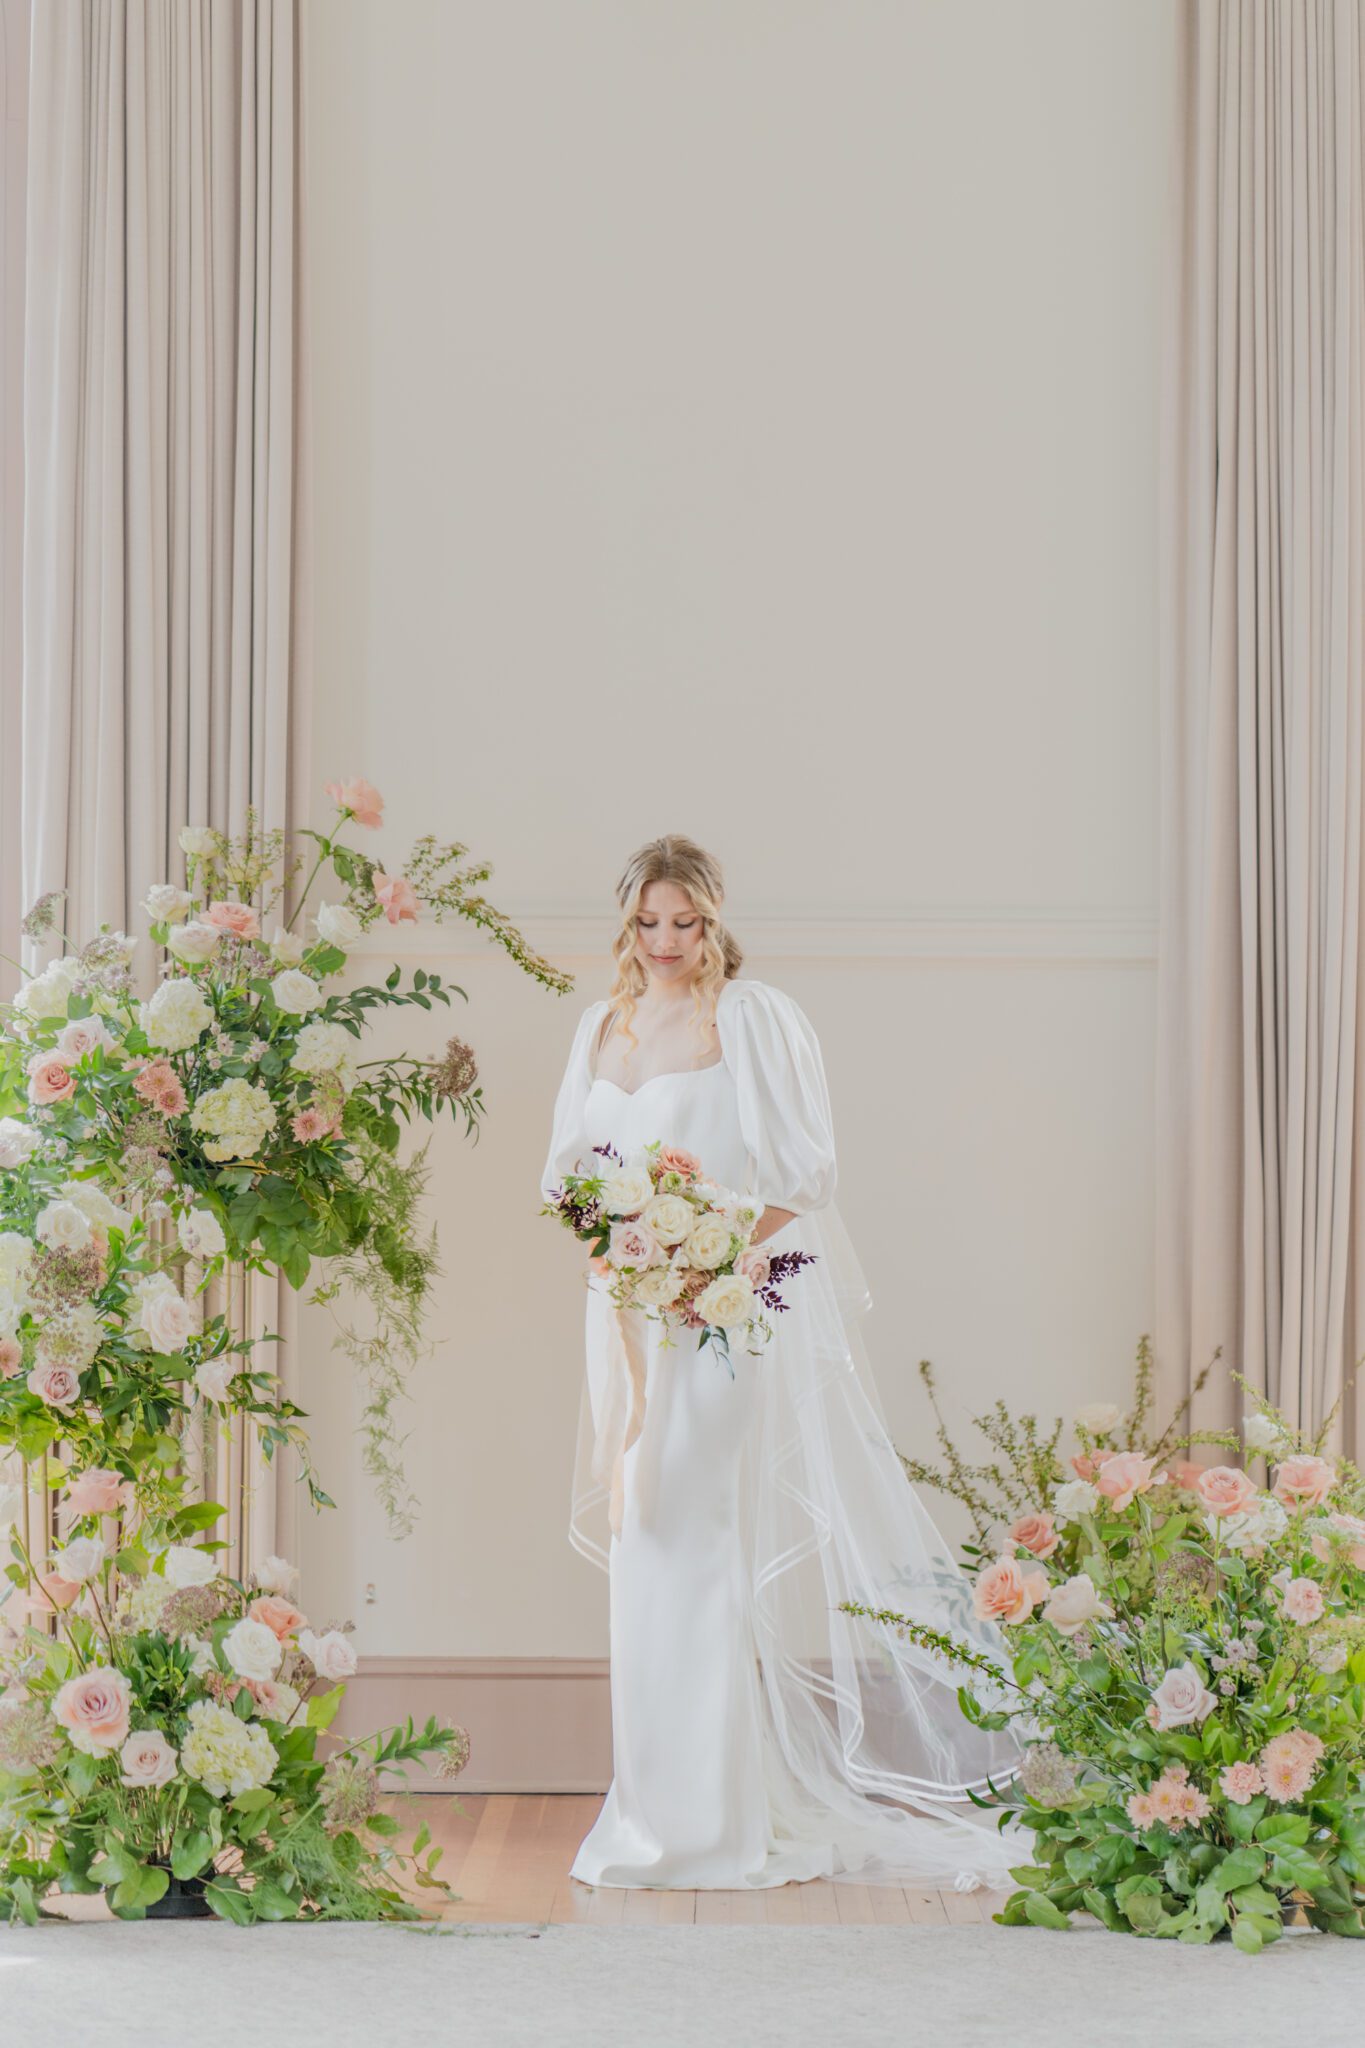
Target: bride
point(759, 1734)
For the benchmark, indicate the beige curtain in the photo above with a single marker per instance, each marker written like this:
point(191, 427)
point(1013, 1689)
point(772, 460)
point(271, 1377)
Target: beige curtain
point(1261, 1025)
point(165, 512)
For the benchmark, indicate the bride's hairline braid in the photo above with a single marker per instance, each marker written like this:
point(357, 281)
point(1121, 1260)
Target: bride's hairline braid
point(677, 859)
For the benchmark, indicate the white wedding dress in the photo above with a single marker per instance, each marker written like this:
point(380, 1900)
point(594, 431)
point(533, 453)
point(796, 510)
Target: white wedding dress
point(760, 1735)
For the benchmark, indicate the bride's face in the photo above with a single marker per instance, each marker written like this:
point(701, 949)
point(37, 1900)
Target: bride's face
point(668, 933)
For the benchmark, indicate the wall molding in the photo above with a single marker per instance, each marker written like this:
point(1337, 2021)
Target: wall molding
point(536, 1724)
point(943, 936)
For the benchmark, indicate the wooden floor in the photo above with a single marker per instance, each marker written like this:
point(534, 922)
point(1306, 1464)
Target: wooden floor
point(508, 1858)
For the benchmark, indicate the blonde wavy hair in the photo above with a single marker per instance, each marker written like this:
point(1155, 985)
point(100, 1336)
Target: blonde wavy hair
point(690, 868)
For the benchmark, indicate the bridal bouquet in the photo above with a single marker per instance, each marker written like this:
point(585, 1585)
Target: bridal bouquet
point(677, 1245)
point(1186, 1667)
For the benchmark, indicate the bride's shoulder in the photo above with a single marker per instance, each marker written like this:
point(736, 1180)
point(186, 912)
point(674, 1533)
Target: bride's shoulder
point(743, 995)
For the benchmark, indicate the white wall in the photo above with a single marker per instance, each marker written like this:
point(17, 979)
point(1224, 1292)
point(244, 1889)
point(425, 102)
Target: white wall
point(740, 418)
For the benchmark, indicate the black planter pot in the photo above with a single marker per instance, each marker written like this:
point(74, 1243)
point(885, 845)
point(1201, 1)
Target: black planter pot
point(183, 1899)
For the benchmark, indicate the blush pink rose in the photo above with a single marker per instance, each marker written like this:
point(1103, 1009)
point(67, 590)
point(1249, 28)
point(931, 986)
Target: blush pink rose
point(98, 1491)
point(50, 1591)
point(148, 1759)
point(1181, 1697)
point(397, 896)
point(94, 1708)
point(1225, 1490)
point(755, 1266)
point(1036, 1533)
point(279, 1615)
point(1241, 1783)
point(1303, 1600)
point(1304, 1481)
point(56, 1384)
point(11, 1357)
point(83, 1035)
point(49, 1079)
point(239, 919)
point(1184, 1472)
point(1005, 1592)
point(360, 798)
point(633, 1245)
point(1350, 1526)
point(1121, 1477)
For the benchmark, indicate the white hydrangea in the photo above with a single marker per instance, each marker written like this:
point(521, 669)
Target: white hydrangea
point(48, 993)
point(1254, 1530)
point(16, 1256)
point(18, 1142)
point(144, 1600)
point(295, 992)
point(226, 1756)
point(235, 1119)
point(201, 1234)
point(176, 1017)
point(324, 1049)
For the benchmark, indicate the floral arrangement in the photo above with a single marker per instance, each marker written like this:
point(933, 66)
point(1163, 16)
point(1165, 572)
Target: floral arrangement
point(1187, 1669)
point(676, 1244)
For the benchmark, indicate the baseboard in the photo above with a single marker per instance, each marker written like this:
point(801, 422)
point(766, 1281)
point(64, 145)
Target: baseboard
point(536, 1724)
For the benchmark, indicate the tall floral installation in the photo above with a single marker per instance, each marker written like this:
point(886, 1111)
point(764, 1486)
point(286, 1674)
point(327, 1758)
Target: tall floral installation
point(166, 1723)
point(1188, 1668)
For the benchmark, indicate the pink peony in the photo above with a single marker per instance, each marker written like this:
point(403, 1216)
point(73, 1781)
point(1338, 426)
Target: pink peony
point(398, 897)
point(56, 1384)
point(279, 1615)
point(672, 1159)
point(1181, 1697)
point(1304, 1481)
point(1303, 1600)
point(1241, 1783)
point(237, 918)
point(49, 1079)
point(310, 1125)
point(1005, 1592)
point(1226, 1490)
point(1347, 1526)
point(97, 1491)
point(360, 798)
point(632, 1245)
point(1121, 1477)
point(93, 1708)
point(1036, 1533)
point(11, 1357)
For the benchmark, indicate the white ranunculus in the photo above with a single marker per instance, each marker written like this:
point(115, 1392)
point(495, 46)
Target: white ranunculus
point(727, 1302)
point(1071, 1605)
point(193, 943)
point(1099, 1418)
point(669, 1218)
point(199, 840)
point(295, 993)
point(215, 1376)
point(1076, 1498)
point(187, 1566)
point(165, 904)
point(18, 1143)
point(625, 1190)
point(201, 1234)
point(176, 1017)
point(322, 1049)
point(337, 924)
point(709, 1244)
point(82, 1559)
point(659, 1286)
point(96, 1206)
point(61, 1226)
point(47, 994)
point(252, 1649)
point(1259, 1432)
point(276, 1575)
point(331, 1656)
point(287, 947)
point(167, 1321)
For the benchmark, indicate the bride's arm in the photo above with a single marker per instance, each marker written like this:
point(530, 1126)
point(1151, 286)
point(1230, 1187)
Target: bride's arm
point(769, 1222)
point(783, 1100)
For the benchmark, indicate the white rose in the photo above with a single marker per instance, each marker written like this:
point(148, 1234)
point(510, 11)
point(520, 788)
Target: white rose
point(253, 1650)
point(165, 904)
point(185, 1566)
point(176, 1017)
point(1099, 1418)
point(62, 1227)
point(1253, 1530)
point(215, 1376)
point(625, 1190)
point(331, 1656)
point(1072, 1605)
point(18, 1143)
point(193, 943)
point(287, 947)
point(659, 1287)
point(669, 1218)
point(82, 1559)
point(201, 1234)
point(276, 1575)
point(337, 924)
point(96, 1206)
point(84, 1035)
point(198, 840)
point(166, 1321)
point(709, 1244)
point(203, 1661)
point(295, 993)
point(322, 1049)
point(727, 1302)
point(1259, 1432)
point(1180, 1698)
point(1078, 1497)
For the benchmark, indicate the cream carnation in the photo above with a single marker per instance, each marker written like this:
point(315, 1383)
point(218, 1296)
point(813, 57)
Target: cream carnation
point(1259, 1433)
point(1074, 1499)
point(226, 1756)
point(234, 1119)
point(213, 1379)
point(176, 1017)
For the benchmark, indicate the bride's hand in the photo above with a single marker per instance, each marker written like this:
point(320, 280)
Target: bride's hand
point(770, 1222)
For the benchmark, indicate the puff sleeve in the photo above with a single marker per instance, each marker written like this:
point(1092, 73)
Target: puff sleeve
point(567, 1136)
point(771, 1048)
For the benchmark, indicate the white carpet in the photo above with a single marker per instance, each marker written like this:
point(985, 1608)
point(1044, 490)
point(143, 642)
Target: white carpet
point(162, 1985)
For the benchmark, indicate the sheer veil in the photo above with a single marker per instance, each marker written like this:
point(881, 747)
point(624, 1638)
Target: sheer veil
point(871, 1753)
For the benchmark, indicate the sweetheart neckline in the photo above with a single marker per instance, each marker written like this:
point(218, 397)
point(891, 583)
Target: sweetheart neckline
point(669, 1074)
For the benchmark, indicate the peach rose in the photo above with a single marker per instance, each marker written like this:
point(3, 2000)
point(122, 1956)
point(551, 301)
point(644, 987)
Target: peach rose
point(50, 1593)
point(280, 1616)
point(1348, 1526)
point(93, 1708)
point(237, 918)
point(1225, 1490)
point(1075, 1604)
point(11, 1357)
point(49, 1079)
point(1303, 1600)
point(397, 896)
point(1083, 1465)
point(360, 798)
point(1035, 1532)
point(1121, 1477)
point(673, 1159)
point(1005, 1592)
point(56, 1384)
point(1304, 1481)
point(98, 1491)
point(1241, 1783)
